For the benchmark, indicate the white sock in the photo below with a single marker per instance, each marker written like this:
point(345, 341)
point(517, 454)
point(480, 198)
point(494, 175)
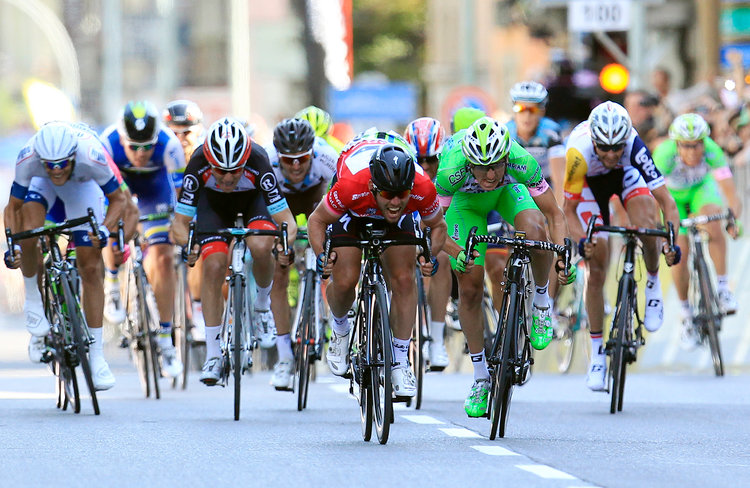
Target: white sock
point(722, 282)
point(597, 350)
point(263, 298)
point(541, 296)
point(32, 290)
point(284, 347)
point(480, 366)
point(213, 348)
point(401, 351)
point(653, 286)
point(341, 325)
point(685, 307)
point(437, 329)
point(96, 349)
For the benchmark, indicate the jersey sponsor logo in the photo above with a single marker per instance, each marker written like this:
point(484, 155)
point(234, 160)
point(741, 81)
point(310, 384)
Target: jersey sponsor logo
point(190, 183)
point(357, 196)
point(456, 234)
point(187, 198)
point(97, 156)
point(268, 182)
point(345, 220)
point(645, 163)
point(573, 168)
point(457, 176)
point(517, 167)
point(25, 152)
point(334, 196)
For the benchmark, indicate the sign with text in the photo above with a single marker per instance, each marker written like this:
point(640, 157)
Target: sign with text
point(598, 15)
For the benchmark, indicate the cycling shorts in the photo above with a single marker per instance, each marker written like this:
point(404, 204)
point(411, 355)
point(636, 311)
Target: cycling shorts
point(156, 194)
point(349, 227)
point(693, 199)
point(306, 201)
point(626, 183)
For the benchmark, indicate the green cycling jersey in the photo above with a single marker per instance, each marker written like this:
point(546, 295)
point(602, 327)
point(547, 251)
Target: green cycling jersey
point(678, 175)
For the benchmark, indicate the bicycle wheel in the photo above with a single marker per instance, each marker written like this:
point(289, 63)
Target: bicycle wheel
point(502, 374)
point(150, 329)
point(617, 363)
point(237, 325)
point(419, 342)
point(80, 338)
point(303, 339)
point(135, 331)
point(709, 310)
point(380, 361)
point(179, 329)
point(489, 322)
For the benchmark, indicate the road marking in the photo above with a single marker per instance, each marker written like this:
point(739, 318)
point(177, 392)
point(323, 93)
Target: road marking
point(422, 419)
point(460, 432)
point(546, 471)
point(495, 451)
point(25, 395)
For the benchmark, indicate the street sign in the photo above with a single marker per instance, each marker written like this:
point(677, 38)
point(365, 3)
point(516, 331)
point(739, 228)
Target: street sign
point(466, 96)
point(735, 21)
point(395, 102)
point(599, 15)
point(744, 48)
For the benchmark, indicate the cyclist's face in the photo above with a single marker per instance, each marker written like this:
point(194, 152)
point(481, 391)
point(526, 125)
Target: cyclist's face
point(691, 152)
point(295, 167)
point(138, 154)
point(609, 155)
point(430, 165)
point(188, 137)
point(227, 181)
point(527, 116)
point(59, 177)
point(490, 176)
point(391, 205)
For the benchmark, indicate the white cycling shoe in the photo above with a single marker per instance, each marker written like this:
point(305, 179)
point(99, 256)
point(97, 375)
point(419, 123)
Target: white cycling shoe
point(438, 356)
point(33, 314)
point(265, 328)
point(102, 375)
point(402, 381)
point(596, 379)
point(282, 377)
point(337, 355)
point(171, 366)
point(37, 348)
point(114, 312)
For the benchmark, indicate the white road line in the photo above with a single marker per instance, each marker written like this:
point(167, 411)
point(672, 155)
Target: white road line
point(24, 395)
point(422, 419)
point(546, 471)
point(460, 432)
point(495, 451)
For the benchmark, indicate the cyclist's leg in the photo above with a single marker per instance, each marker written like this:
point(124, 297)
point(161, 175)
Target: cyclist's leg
point(263, 270)
point(438, 294)
point(495, 261)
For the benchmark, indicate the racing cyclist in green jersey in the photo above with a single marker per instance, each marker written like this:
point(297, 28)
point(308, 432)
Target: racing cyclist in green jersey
point(695, 169)
point(482, 169)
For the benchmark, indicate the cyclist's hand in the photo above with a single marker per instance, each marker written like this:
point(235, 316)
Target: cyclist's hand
point(562, 278)
point(324, 269)
point(464, 263)
point(735, 230)
point(672, 256)
point(100, 239)
point(585, 248)
point(14, 261)
point(428, 268)
point(118, 254)
point(192, 257)
point(284, 260)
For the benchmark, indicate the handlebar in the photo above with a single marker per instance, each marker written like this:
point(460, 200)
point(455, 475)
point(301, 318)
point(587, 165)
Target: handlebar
point(630, 231)
point(53, 229)
point(704, 219)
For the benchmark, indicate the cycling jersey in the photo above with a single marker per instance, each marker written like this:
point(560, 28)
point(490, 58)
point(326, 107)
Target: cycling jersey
point(680, 176)
point(546, 143)
point(322, 167)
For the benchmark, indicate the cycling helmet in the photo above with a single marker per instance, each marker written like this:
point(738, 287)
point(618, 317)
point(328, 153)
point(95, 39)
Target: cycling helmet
point(183, 113)
point(610, 124)
point(529, 91)
point(487, 141)
point(426, 136)
point(392, 168)
point(55, 141)
point(689, 127)
point(464, 117)
point(319, 119)
point(140, 122)
point(227, 144)
point(293, 136)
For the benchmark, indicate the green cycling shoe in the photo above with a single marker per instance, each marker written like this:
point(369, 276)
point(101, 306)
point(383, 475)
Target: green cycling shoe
point(476, 403)
point(541, 327)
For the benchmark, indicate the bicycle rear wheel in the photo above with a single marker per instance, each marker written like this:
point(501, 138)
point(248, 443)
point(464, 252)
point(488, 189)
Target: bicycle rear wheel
point(617, 364)
point(80, 338)
point(380, 361)
point(709, 310)
point(502, 374)
point(419, 342)
point(150, 328)
point(304, 339)
point(136, 331)
point(180, 327)
point(237, 325)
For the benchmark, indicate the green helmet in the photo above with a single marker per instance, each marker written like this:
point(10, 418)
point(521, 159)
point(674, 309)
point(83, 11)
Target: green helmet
point(319, 119)
point(464, 117)
point(689, 127)
point(487, 141)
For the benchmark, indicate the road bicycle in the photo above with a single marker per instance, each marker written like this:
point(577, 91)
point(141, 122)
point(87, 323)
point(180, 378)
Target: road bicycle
point(510, 358)
point(702, 295)
point(371, 345)
point(419, 357)
point(570, 317)
point(237, 338)
point(625, 338)
point(69, 338)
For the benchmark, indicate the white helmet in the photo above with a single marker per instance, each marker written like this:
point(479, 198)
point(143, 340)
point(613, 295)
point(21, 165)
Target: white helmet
point(485, 142)
point(610, 124)
point(227, 144)
point(55, 141)
point(529, 91)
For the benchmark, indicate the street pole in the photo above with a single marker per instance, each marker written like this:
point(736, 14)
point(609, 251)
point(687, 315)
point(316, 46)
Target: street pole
point(239, 57)
point(707, 13)
point(111, 94)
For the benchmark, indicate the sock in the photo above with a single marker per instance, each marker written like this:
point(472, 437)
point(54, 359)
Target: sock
point(597, 349)
point(401, 351)
point(341, 325)
point(263, 298)
point(284, 347)
point(97, 347)
point(722, 283)
point(165, 334)
point(213, 349)
point(480, 366)
point(437, 329)
point(653, 286)
point(32, 290)
point(541, 297)
point(685, 307)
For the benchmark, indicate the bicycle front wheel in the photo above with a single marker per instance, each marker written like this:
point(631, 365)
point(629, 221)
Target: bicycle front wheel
point(709, 310)
point(304, 339)
point(419, 341)
point(502, 374)
point(237, 326)
point(620, 324)
point(380, 361)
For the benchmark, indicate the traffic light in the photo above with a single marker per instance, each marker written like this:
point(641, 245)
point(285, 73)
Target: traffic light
point(614, 78)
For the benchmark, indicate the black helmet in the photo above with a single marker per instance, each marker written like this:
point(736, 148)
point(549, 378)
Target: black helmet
point(293, 136)
point(182, 112)
point(392, 168)
point(140, 122)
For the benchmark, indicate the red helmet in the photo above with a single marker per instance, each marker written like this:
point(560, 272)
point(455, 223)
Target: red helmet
point(426, 136)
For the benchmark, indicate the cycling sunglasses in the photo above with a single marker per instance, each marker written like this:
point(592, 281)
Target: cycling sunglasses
point(390, 195)
point(58, 163)
point(611, 147)
point(423, 160)
point(686, 145)
point(291, 159)
point(227, 171)
point(136, 146)
point(520, 107)
point(482, 170)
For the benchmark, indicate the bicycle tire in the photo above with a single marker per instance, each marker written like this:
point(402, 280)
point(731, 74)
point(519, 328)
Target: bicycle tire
point(617, 361)
point(147, 303)
point(304, 339)
point(137, 340)
point(419, 342)
point(66, 385)
point(712, 317)
point(380, 361)
point(80, 338)
point(179, 329)
point(360, 373)
point(237, 366)
point(502, 381)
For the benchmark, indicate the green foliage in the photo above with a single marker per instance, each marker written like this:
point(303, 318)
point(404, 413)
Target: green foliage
point(389, 37)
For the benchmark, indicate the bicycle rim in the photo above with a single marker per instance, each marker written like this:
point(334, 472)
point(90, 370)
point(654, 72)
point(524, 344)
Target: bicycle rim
point(304, 340)
point(712, 317)
point(361, 374)
point(502, 377)
point(80, 339)
point(617, 362)
point(419, 342)
point(150, 330)
point(179, 328)
point(380, 361)
point(237, 366)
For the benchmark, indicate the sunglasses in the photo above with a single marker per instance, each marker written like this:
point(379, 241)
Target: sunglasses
point(423, 160)
point(234, 171)
point(134, 146)
point(482, 170)
point(58, 163)
point(610, 147)
point(520, 107)
point(184, 132)
point(694, 145)
point(390, 195)
point(291, 159)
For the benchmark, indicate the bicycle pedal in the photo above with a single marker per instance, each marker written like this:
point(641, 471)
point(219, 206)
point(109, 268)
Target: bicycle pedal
point(124, 342)
point(401, 399)
point(282, 388)
point(436, 369)
point(47, 356)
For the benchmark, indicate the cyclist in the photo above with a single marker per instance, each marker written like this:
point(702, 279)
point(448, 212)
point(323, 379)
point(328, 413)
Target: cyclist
point(482, 169)
point(464, 117)
point(227, 175)
point(694, 168)
point(71, 164)
point(321, 122)
point(426, 137)
point(304, 164)
point(605, 157)
point(151, 160)
point(378, 181)
point(185, 119)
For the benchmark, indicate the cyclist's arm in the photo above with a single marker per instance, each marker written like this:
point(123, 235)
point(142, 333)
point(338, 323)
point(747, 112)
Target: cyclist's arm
point(12, 214)
point(178, 231)
point(557, 172)
point(438, 231)
point(730, 193)
point(723, 175)
point(558, 228)
point(321, 218)
point(115, 210)
point(667, 205)
point(131, 214)
point(291, 223)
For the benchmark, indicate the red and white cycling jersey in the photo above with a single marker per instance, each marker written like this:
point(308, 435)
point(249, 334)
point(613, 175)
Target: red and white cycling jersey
point(352, 194)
